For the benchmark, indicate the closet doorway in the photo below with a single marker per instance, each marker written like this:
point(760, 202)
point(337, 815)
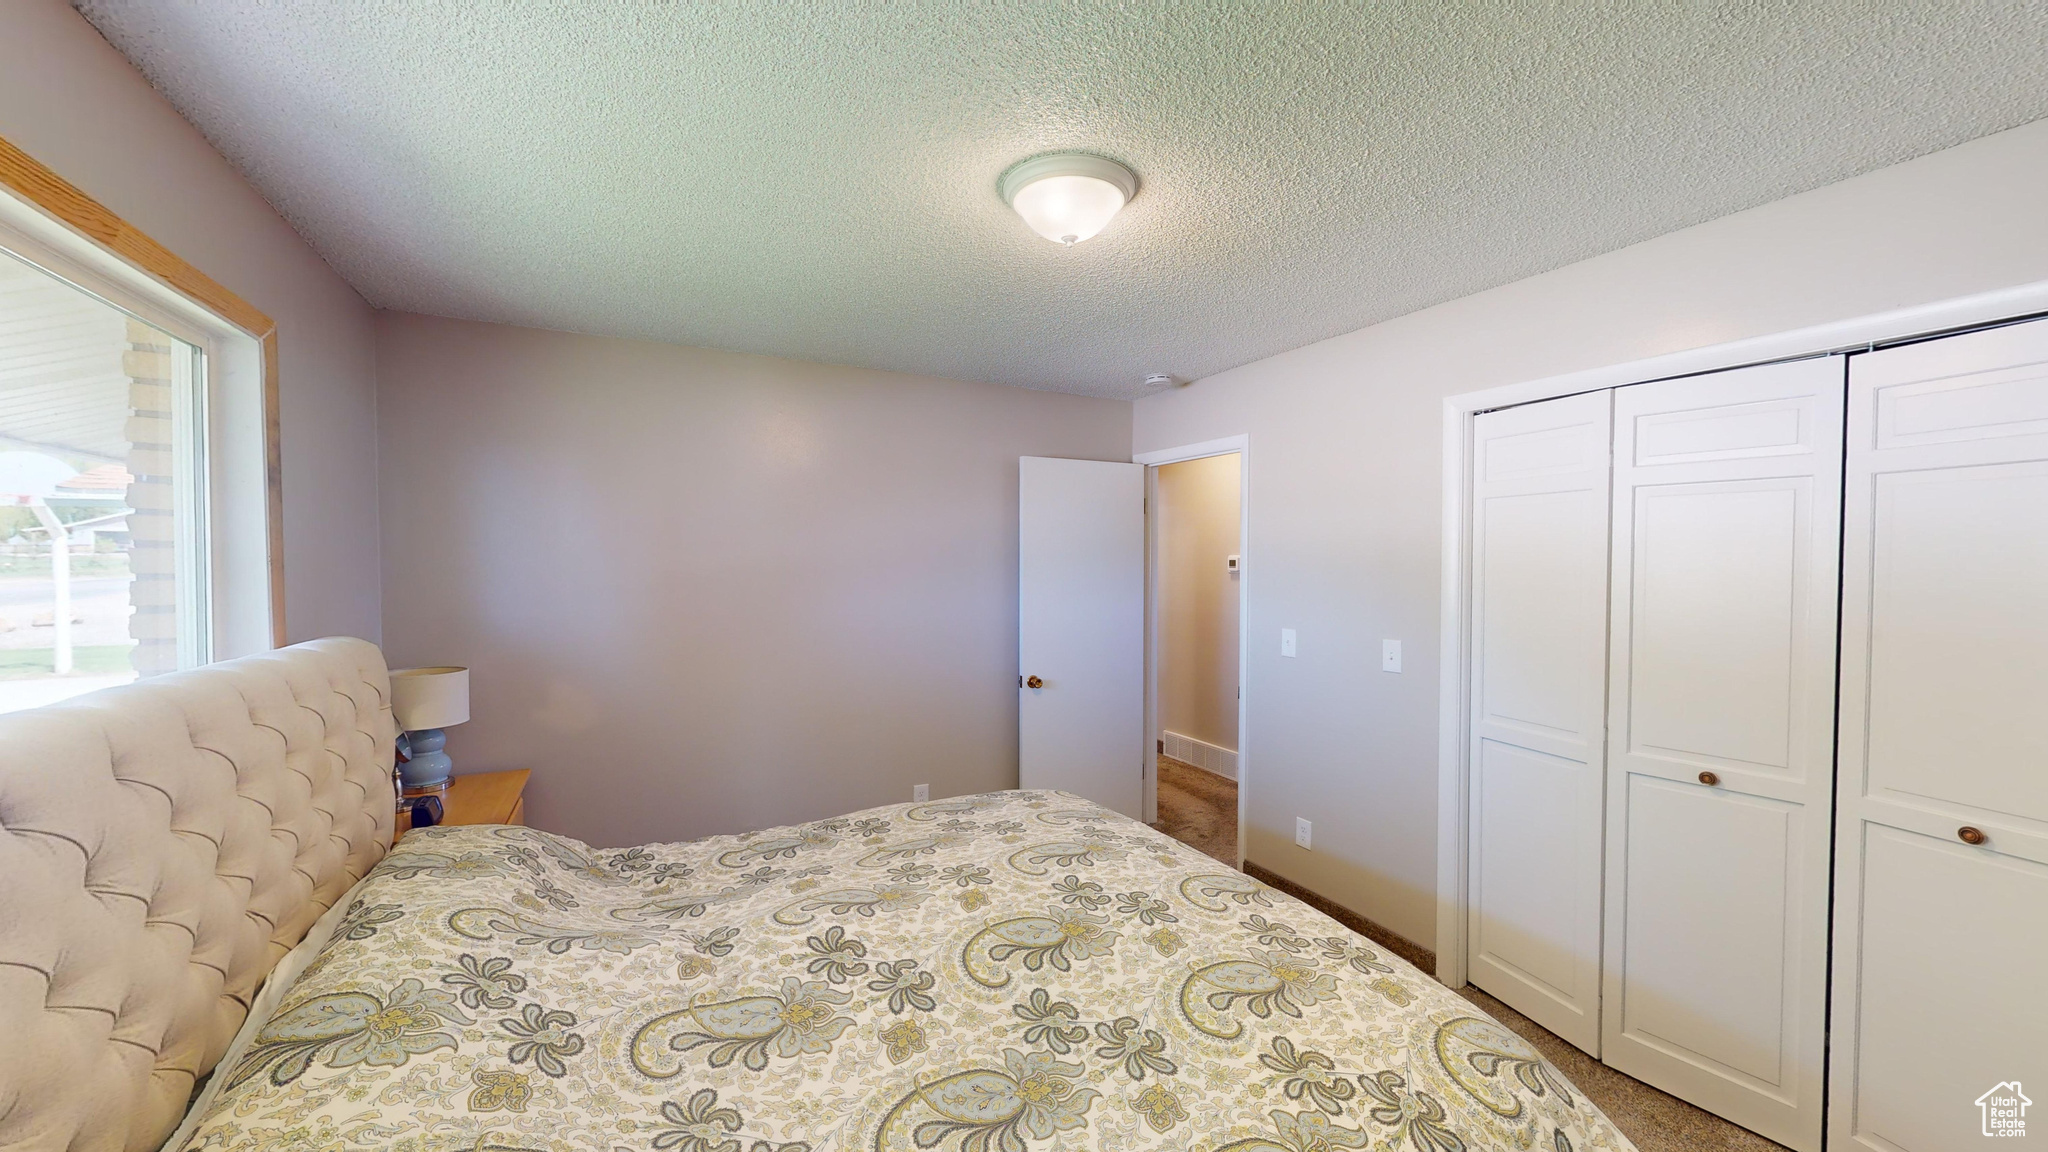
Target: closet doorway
point(1195, 552)
point(1731, 654)
point(1652, 649)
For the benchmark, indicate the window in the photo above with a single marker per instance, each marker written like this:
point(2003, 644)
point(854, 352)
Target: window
point(103, 565)
point(138, 453)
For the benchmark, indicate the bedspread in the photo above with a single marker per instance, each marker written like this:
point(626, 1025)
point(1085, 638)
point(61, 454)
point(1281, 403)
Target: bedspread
point(1011, 972)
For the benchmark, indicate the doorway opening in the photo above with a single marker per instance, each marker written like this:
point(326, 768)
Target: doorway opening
point(1195, 599)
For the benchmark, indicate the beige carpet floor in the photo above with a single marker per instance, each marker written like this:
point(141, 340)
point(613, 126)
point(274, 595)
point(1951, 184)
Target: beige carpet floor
point(1199, 809)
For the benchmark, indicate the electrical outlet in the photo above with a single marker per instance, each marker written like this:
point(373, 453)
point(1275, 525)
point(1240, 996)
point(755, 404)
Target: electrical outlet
point(920, 791)
point(1287, 641)
point(1301, 831)
point(1390, 655)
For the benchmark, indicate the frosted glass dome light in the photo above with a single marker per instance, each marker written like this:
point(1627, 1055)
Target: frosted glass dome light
point(1068, 197)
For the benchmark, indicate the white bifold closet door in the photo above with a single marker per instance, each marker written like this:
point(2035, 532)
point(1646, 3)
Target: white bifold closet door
point(1539, 625)
point(1941, 911)
point(1721, 682)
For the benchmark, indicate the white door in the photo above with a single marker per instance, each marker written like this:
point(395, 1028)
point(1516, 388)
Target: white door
point(1081, 629)
point(1539, 637)
point(1941, 915)
point(1720, 749)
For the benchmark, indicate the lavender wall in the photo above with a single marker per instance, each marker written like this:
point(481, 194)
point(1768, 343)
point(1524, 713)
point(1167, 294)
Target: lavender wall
point(707, 592)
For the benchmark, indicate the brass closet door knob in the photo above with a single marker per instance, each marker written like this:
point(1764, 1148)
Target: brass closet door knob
point(1709, 779)
point(1969, 835)
point(1034, 682)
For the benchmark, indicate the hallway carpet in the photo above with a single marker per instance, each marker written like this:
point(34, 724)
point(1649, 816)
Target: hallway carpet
point(1199, 809)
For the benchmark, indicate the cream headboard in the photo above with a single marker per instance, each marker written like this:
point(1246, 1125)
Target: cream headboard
point(162, 844)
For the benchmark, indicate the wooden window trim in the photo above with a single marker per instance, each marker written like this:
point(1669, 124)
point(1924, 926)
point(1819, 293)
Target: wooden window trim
point(67, 204)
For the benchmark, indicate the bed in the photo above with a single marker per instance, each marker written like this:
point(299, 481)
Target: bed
point(989, 973)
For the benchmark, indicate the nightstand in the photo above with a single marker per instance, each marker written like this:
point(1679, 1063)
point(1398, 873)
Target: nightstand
point(481, 798)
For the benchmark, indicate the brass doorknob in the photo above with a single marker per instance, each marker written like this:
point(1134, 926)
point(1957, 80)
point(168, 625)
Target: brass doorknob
point(1969, 835)
point(1710, 778)
point(1034, 682)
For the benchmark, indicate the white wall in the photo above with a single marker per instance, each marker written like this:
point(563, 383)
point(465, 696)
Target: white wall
point(76, 105)
point(707, 592)
point(1197, 525)
point(1345, 487)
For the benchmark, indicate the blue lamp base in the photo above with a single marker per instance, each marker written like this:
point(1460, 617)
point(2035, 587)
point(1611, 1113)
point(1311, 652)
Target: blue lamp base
point(427, 766)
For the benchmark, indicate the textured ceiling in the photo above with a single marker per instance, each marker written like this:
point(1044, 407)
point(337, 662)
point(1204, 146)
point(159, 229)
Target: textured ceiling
point(818, 180)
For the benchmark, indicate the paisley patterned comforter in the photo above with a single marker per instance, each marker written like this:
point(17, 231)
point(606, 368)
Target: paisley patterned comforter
point(1013, 972)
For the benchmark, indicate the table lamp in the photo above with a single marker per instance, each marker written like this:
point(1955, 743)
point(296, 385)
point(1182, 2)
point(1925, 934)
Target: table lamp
point(425, 701)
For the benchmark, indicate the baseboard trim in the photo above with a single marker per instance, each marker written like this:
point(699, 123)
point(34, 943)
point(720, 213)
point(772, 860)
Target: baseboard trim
point(1393, 942)
point(1200, 754)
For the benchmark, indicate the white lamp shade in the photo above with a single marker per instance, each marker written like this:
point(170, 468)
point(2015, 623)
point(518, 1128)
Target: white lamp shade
point(1068, 209)
point(423, 698)
point(1068, 197)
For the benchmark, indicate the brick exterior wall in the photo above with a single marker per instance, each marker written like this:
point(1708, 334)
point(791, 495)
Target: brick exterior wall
point(153, 596)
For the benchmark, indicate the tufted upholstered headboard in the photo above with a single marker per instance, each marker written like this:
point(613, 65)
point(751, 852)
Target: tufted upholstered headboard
point(162, 845)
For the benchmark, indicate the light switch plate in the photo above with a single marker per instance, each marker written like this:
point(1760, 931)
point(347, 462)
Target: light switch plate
point(1390, 655)
point(1301, 831)
point(920, 792)
point(1287, 641)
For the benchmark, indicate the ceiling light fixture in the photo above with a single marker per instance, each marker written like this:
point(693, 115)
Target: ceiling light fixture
point(1067, 197)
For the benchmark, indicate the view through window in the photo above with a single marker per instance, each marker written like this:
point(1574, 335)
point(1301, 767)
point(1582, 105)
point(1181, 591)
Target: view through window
point(102, 568)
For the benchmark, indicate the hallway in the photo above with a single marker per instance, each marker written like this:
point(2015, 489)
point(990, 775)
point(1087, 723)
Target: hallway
point(1198, 808)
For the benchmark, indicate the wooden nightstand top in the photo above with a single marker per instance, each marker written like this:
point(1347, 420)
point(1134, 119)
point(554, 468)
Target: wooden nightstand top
point(486, 797)
point(482, 798)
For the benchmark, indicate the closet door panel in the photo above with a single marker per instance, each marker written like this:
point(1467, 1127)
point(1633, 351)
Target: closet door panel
point(1960, 556)
point(1539, 607)
point(1531, 930)
point(1717, 997)
point(1716, 597)
point(1534, 562)
point(1950, 979)
point(1942, 821)
point(1720, 705)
